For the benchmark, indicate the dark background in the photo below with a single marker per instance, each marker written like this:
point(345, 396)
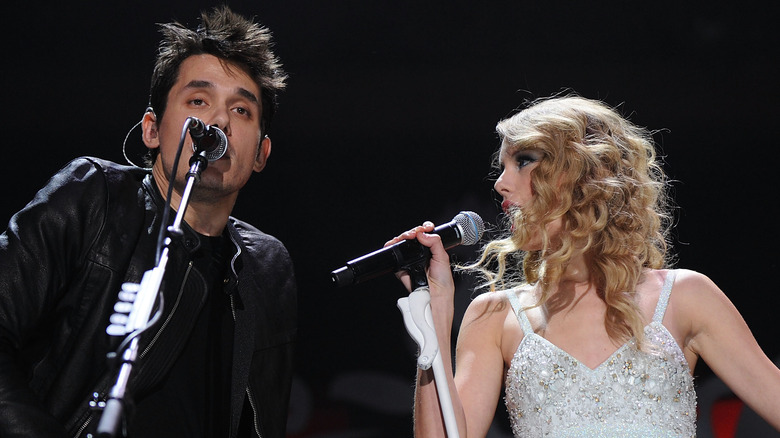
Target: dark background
point(389, 120)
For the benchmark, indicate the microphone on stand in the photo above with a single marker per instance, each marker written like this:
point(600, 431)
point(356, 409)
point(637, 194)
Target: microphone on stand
point(465, 229)
point(208, 139)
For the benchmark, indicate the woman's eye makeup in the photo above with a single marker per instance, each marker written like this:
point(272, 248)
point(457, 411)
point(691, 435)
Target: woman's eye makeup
point(523, 159)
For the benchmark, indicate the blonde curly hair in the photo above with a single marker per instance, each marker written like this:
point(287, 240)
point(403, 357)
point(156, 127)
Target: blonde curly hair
point(599, 173)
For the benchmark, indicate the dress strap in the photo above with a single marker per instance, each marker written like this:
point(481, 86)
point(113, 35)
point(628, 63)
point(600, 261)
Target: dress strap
point(663, 300)
point(519, 312)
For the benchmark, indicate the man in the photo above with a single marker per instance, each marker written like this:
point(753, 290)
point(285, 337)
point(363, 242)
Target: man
point(218, 360)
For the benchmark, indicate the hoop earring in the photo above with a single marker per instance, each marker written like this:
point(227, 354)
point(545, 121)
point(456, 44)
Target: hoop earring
point(149, 109)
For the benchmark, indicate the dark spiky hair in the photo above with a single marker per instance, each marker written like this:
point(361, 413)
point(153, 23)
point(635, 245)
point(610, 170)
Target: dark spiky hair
point(227, 36)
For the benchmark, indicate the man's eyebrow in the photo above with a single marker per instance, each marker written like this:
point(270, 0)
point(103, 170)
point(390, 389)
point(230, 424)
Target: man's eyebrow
point(199, 84)
point(247, 94)
point(206, 84)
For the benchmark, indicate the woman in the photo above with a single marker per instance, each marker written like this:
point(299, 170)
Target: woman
point(589, 335)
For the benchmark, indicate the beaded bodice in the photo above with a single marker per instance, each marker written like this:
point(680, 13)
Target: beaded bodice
point(632, 393)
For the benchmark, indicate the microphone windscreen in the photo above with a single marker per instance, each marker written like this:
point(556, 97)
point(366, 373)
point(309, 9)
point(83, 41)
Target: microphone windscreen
point(216, 152)
point(472, 226)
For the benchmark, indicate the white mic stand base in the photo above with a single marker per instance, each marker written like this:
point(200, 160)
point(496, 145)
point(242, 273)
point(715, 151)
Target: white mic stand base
point(416, 310)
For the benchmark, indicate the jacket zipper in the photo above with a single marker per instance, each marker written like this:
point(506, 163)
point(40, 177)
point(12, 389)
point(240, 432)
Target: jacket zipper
point(235, 257)
point(255, 422)
point(254, 412)
point(170, 315)
point(85, 424)
point(165, 324)
point(97, 403)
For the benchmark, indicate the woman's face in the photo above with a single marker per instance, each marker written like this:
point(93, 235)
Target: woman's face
point(514, 183)
point(514, 186)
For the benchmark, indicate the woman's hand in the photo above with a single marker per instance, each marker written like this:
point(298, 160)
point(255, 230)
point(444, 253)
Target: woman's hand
point(438, 270)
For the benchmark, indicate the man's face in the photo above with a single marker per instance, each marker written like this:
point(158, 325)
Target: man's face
point(219, 94)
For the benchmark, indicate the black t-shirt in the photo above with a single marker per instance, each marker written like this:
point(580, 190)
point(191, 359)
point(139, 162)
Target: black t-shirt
point(194, 398)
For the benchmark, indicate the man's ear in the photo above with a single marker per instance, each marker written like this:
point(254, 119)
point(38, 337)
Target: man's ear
point(263, 151)
point(149, 130)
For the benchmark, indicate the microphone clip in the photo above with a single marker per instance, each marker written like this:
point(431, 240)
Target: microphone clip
point(416, 269)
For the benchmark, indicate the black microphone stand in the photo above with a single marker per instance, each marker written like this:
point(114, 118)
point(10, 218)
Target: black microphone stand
point(142, 296)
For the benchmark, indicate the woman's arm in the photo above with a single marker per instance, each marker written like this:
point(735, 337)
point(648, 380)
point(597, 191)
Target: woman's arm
point(475, 389)
point(720, 336)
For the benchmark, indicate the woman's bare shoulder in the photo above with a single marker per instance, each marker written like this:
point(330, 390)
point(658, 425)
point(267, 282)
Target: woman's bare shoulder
point(694, 292)
point(490, 317)
point(696, 301)
point(687, 283)
point(489, 304)
point(498, 301)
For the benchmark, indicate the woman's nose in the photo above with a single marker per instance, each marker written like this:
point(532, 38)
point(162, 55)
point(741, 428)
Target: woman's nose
point(499, 186)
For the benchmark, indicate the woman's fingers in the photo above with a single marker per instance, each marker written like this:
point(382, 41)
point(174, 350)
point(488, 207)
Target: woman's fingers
point(426, 227)
point(418, 233)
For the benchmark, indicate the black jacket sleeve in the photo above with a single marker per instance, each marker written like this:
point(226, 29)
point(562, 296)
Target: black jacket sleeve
point(44, 244)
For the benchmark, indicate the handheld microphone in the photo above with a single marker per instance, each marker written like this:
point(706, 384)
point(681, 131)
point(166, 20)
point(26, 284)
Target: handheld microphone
point(208, 139)
point(465, 229)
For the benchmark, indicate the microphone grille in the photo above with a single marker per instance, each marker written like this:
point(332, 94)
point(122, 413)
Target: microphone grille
point(472, 226)
point(216, 150)
point(220, 148)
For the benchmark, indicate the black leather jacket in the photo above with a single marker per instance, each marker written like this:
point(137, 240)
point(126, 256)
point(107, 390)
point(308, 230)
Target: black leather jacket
point(63, 260)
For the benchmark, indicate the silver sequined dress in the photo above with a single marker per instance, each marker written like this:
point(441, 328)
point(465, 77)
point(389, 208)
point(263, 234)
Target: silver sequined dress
point(633, 393)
